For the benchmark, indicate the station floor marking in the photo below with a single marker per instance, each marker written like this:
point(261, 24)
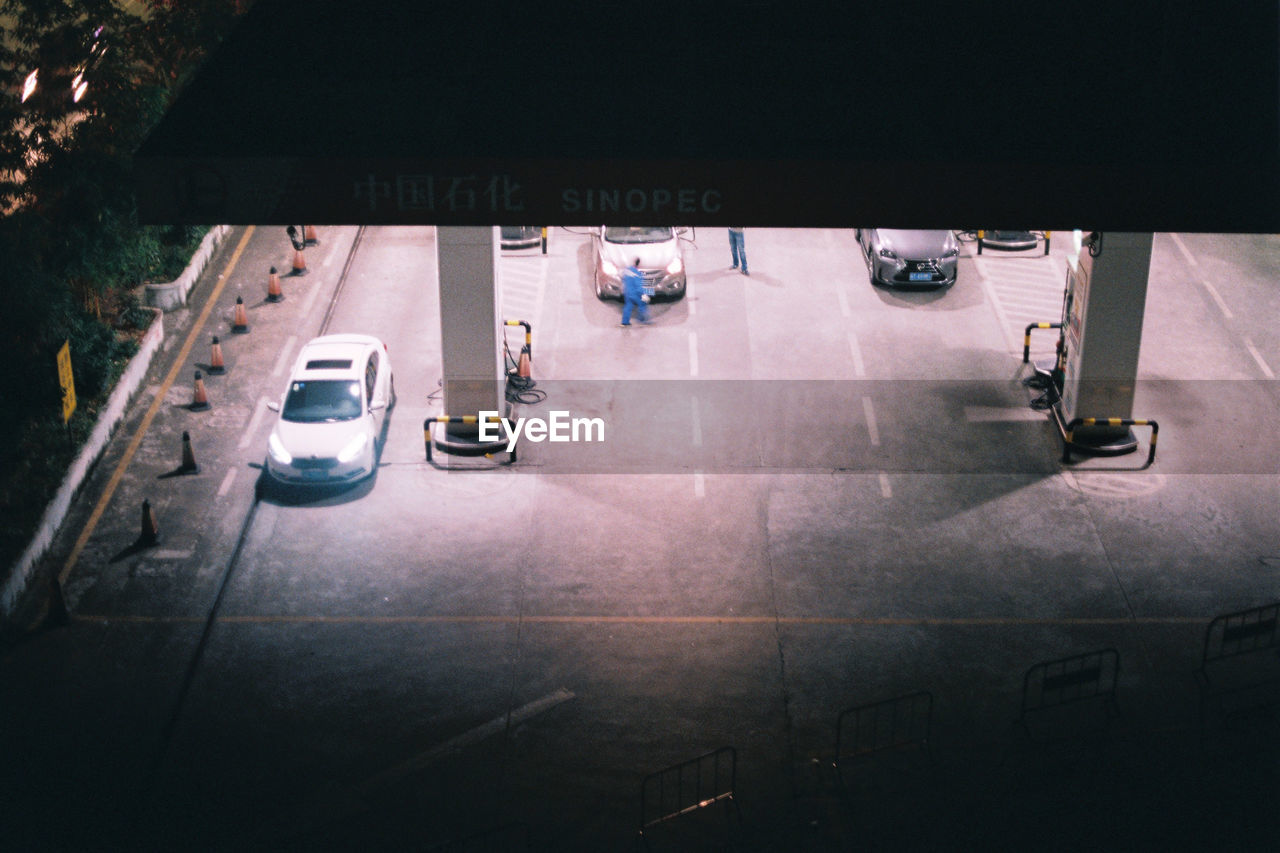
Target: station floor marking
point(867, 621)
point(308, 304)
point(693, 353)
point(873, 431)
point(859, 368)
point(498, 724)
point(1257, 356)
point(886, 489)
point(1204, 282)
point(227, 480)
point(179, 364)
point(699, 485)
point(1217, 297)
point(246, 438)
point(1182, 247)
point(1001, 414)
point(283, 358)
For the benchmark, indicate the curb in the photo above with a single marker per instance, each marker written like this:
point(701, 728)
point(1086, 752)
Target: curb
point(15, 582)
point(169, 296)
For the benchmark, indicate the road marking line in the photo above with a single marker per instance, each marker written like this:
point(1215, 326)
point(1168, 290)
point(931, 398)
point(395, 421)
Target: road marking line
point(843, 300)
point(246, 438)
point(1217, 297)
point(881, 621)
point(885, 489)
point(981, 266)
point(1013, 341)
point(688, 296)
point(226, 482)
point(1000, 414)
point(693, 353)
point(309, 303)
point(283, 358)
point(872, 430)
point(178, 364)
point(1182, 247)
point(474, 736)
point(699, 485)
point(697, 424)
point(1257, 356)
point(859, 369)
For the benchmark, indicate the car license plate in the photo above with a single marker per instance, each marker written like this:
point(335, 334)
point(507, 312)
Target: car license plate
point(920, 276)
point(313, 474)
point(649, 291)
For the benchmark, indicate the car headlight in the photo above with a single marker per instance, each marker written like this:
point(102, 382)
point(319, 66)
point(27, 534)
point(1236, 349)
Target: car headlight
point(353, 448)
point(276, 448)
point(888, 254)
point(608, 267)
point(675, 266)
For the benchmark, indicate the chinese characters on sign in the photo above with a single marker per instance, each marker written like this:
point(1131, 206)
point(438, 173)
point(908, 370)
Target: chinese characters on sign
point(441, 193)
point(500, 193)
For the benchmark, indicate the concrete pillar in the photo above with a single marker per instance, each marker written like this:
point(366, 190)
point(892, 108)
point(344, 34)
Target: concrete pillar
point(470, 328)
point(1103, 335)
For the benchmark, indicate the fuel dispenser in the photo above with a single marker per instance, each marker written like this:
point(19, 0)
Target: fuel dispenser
point(1094, 376)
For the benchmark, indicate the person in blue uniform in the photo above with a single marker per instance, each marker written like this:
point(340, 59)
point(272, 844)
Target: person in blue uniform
point(633, 294)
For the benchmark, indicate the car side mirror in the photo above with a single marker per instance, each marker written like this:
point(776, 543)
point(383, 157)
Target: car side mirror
point(273, 405)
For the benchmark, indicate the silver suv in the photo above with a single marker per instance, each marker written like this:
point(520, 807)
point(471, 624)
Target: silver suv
point(660, 249)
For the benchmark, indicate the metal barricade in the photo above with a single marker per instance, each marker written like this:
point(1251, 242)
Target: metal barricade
point(688, 787)
point(903, 722)
point(1048, 689)
point(1240, 666)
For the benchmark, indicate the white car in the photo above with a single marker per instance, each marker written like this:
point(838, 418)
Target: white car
point(661, 255)
point(332, 412)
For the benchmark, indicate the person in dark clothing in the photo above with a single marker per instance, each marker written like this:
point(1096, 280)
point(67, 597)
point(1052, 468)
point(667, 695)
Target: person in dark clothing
point(738, 248)
point(633, 294)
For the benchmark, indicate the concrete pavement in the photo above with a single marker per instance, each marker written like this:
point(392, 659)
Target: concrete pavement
point(436, 655)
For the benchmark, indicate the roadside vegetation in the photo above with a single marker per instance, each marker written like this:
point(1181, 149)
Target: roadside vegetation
point(73, 256)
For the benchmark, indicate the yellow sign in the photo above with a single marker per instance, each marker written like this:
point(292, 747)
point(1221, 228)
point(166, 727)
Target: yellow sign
point(65, 379)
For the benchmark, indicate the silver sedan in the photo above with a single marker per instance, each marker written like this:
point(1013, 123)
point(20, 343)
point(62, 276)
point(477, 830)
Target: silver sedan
point(910, 258)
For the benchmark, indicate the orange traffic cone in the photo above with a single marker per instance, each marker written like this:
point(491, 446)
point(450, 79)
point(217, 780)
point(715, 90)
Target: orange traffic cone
point(241, 323)
point(216, 365)
point(200, 401)
point(274, 294)
point(309, 237)
point(299, 263)
point(525, 368)
point(188, 465)
point(150, 534)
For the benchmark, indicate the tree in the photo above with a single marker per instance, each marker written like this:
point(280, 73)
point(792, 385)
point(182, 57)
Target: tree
point(71, 249)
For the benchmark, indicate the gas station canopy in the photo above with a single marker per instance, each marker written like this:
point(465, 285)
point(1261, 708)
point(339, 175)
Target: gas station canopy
point(1130, 117)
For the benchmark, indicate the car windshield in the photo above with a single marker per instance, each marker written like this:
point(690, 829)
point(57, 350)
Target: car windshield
point(322, 401)
point(638, 234)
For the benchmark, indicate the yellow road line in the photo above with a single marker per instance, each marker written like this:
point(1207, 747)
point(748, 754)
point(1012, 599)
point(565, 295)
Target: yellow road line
point(178, 364)
point(885, 621)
